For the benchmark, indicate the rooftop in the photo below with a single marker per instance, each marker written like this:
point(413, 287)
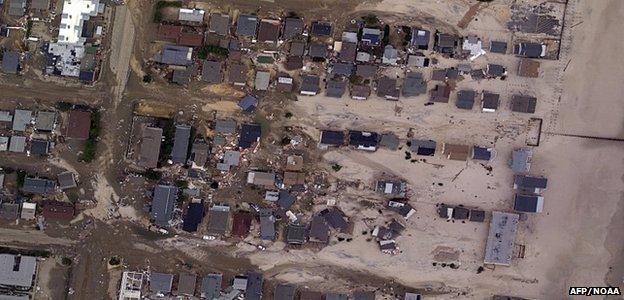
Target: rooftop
point(501, 237)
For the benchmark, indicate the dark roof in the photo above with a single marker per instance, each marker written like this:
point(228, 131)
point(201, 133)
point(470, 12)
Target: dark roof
point(86, 76)
point(269, 31)
point(364, 295)
point(481, 153)
point(180, 144)
point(329, 137)
point(465, 99)
point(413, 85)
point(39, 147)
point(160, 283)
point(241, 223)
point(163, 203)
point(530, 182)
point(335, 296)
point(371, 35)
point(363, 138)
point(386, 87)
point(9, 211)
point(498, 47)
point(528, 203)
point(423, 147)
point(310, 83)
point(38, 185)
point(438, 74)
point(490, 100)
point(194, 216)
point(494, 70)
point(211, 72)
point(250, 134)
point(293, 62)
point(57, 210)
point(321, 29)
point(446, 42)
point(477, 215)
point(460, 213)
point(533, 50)
point(348, 52)
point(246, 25)
point(296, 234)
point(248, 103)
point(225, 126)
point(284, 292)
point(340, 68)
point(237, 73)
point(10, 62)
point(319, 230)
point(211, 286)
point(293, 27)
point(310, 295)
point(219, 23)
point(360, 91)
point(218, 219)
point(396, 226)
point(254, 286)
point(440, 93)
point(66, 180)
point(317, 51)
point(421, 38)
point(78, 125)
point(267, 224)
point(186, 284)
point(336, 88)
point(286, 200)
point(366, 71)
point(182, 76)
point(334, 218)
point(390, 141)
point(523, 104)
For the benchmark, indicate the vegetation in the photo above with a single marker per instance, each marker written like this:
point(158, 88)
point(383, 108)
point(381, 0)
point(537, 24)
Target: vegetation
point(182, 184)
point(147, 78)
point(203, 52)
point(88, 155)
point(21, 175)
point(408, 34)
point(63, 106)
point(114, 261)
point(29, 252)
point(336, 167)
point(158, 16)
point(29, 25)
point(73, 196)
point(288, 115)
point(167, 145)
point(152, 174)
point(386, 36)
point(355, 79)
point(371, 20)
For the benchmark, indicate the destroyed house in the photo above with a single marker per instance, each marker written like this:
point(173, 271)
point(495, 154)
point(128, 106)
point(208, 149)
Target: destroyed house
point(528, 203)
point(293, 27)
point(331, 138)
point(363, 140)
point(390, 56)
point(163, 204)
point(360, 92)
point(393, 188)
point(269, 31)
point(191, 39)
point(477, 215)
point(420, 38)
point(335, 88)
point(253, 291)
point(78, 125)
point(335, 219)
point(219, 23)
point(284, 292)
point(39, 186)
point(9, 211)
point(310, 85)
point(416, 60)
point(390, 141)
point(297, 48)
point(319, 230)
point(150, 147)
point(364, 295)
point(211, 71)
point(194, 216)
point(57, 210)
point(501, 238)
point(366, 71)
point(445, 43)
point(423, 147)
point(413, 85)
point(336, 296)
point(465, 99)
point(530, 184)
point(294, 179)
point(321, 29)
point(261, 178)
point(225, 126)
point(489, 102)
point(250, 134)
point(441, 93)
point(386, 88)
point(296, 234)
point(218, 219)
point(310, 295)
point(521, 160)
point(523, 104)
point(246, 26)
point(528, 68)
point(180, 144)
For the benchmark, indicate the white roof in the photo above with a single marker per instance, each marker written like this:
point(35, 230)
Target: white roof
point(14, 274)
point(29, 205)
point(75, 12)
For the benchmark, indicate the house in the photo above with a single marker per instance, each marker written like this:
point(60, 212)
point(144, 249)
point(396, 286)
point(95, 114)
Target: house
point(423, 147)
point(45, 121)
point(441, 93)
point(21, 119)
point(412, 296)
point(250, 134)
point(38, 186)
point(371, 36)
point(180, 144)
point(4, 143)
point(261, 178)
point(498, 47)
point(218, 219)
point(495, 71)
point(212, 71)
point(387, 88)
point(530, 50)
point(285, 199)
point(241, 223)
point(237, 74)
point(439, 75)
point(230, 159)
point(294, 178)
point(66, 180)
point(521, 160)
point(194, 16)
point(309, 85)
point(413, 85)
point(464, 69)
point(530, 184)
point(390, 141)
point(482, 153)
point(211, 286)
point(465, 99)
point(269, 31)
point(168, 33)
point(284, 292)
point(477, 215)
point(318, 52)
point(262, 80)
point(319, 230)
point(523, 104)
point(160, 283)
point(186, 284)
point(248, 103)
point(445, 43)
point(363, 56)
point(297, 48)
point(364, 295)
point(296, 234)
point(175, 55)
point(17, 272)
point(331, 138)
point(39, 147)
point(240, 282)
point(246, 26)
point(284, 84)
point(528, 203)
point(335, 219)
point(391, 187)
point(57, 210)
point(183, 76)
point(163, 204)
point(489, 102)
point(473, 46)
point(17, 144)
point(348, 52)
point(390, 56)
point(293, 63)
point(528, 68)
point(9, 211)
point(335, 88)
point(321, 29)
point(150, 147)
point(363, 140)
point(267, 224)
point(194, 215)
point(293, 27)
point(310, 295)
point(219, 24)
point(254, 286)
point(225, 126)
point(341, 69)
point(11, 60)
point(336, 296)
point(366, 71)
point(456, 152)
point(415, 60)
point(501, 237)
point(360, 92)
point(29, 209)
point(420, 39)
point(17, 8)
point(78, 125)
point(191, 39)
point(5, 116)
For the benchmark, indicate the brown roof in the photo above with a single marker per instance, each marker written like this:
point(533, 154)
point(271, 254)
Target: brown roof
point(241, 223)
point(310, 295)
point(293, 63)
point(440, 93)
point(191, 39)
point(456, 152)
point(168, 32)
point(78, 125)
point(269, 31)
point(348, 52)
point(294, 163)
point(528, 68)
point(360, 91)
point(57, 210)
point(293, 178)
point(237, 74)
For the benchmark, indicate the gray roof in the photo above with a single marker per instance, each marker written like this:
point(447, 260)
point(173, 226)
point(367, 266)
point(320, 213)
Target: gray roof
point(317, 51)
point(248, 103)
point(417, 60)
point(17, 144)
point(163, 203)
point(284, 292)
point(191, 15)
point(211, 286)
point(498, 47)
point(336, 88)
point(420, 38)
point(212, 72)
point(219, 219)
point(360, 91)
point(390, 55)
point(186, 284)
point(412, 296)
point(9, 211)
point(225, 126)
point(310, 83)
point(231, 158)
point(495, 70)
point(364, 295)
point(254, 286)
point(417, 146)
point(286, 200)
point(199, 153)
point(262, 80)
point(465, 99)
point(490, 100)
point(180, 144)
point(8, 297)
point(501, 237)
point(297, 48)
point(45, 120)
point(10, 61)
point(175, 55)
point(246, 25)
point(17, 274)
point(38, 185)
point(523, 104)
point(296, 234)
point(267, 224)
point(160, 283)
point(345, 69)
point(348, 52)
point(40, 4)
point(521, 160)
point(219, 23)
point(150, 147)
point(4, 143)
point(5, 116)
point(390, 141)
point(17, 8)
point(293, 27)
point(413, 85)
point(21, 119)
point(66, 180)
point(336, 296)
point(182, 76)
point(366, 71)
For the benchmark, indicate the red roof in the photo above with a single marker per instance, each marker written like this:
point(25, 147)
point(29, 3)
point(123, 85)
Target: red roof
point(191, 39)
point(169, 32)
point(78, 125)
point(57, 210)
point(241, 224)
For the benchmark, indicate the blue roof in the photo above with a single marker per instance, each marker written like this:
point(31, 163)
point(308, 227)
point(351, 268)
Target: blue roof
point(180, 144)
point(361, 138)
point(329, 137)
point(250, 133)
point(481, 153)
point(248, 103)
point(176, 55)
point(163, 203)
point(194, 216)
